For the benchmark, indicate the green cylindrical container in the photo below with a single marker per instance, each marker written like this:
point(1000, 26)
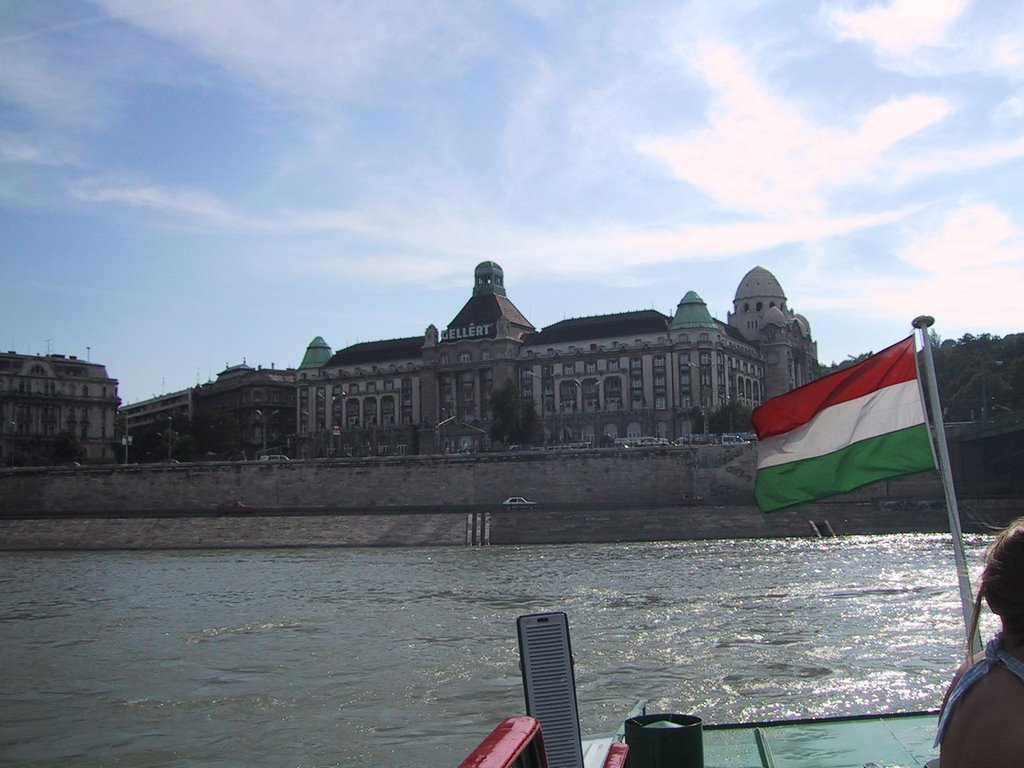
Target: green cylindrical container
point(665, 741)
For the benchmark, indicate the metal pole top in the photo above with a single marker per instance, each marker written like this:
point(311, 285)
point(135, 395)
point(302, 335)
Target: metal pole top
point(923, 321)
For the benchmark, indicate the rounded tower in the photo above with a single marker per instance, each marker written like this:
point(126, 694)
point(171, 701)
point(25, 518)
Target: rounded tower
point(488, 279)
point(758, 292)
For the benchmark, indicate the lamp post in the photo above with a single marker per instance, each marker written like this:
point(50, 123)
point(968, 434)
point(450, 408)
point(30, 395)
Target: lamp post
point(576, 392)
point(437, 430)
point(263, 432)
point(170, 437)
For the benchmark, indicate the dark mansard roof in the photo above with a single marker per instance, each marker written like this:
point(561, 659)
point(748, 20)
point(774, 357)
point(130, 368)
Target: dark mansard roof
point(644, 321)
point(387, 351)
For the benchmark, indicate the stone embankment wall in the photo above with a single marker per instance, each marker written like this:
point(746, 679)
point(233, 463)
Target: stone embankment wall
point(638, 476)
point(594, 496)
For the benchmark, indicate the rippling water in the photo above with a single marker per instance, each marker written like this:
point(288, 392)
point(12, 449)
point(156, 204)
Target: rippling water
point(407, 657)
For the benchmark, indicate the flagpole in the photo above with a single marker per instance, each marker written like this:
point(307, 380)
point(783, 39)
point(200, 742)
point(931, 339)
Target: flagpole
point(923, 323)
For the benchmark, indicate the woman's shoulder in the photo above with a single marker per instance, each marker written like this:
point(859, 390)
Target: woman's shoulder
point(988, 724)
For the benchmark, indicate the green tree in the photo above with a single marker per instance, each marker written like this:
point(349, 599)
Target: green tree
point(216, 432)
point(514, 418)
point(67, 448)
point(731, 417)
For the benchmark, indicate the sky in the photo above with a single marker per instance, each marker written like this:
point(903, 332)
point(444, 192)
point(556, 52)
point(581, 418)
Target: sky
point(187, 185)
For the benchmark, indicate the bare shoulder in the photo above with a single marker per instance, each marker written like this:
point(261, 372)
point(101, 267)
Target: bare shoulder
point(988, 724)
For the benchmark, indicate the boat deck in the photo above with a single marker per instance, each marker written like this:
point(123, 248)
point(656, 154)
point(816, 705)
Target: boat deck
point(894, 741)
point(900, 740)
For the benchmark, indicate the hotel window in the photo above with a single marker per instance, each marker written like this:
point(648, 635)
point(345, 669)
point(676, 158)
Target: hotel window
point(568, 369)
point(613, 365)
point(371, 386)
point(659, 402)
point(705, 338)
point(464, 357)
point(443, 360)
point(590, 366)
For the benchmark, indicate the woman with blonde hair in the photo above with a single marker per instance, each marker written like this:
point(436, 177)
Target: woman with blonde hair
point(982, 719)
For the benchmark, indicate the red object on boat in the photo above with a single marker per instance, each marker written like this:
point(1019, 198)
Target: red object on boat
point(514, 737)
point(618, 753)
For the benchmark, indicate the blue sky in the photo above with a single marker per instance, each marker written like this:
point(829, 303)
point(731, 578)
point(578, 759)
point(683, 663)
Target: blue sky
point(186, 184)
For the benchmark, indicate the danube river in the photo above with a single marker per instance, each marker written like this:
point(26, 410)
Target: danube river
point(408, 657)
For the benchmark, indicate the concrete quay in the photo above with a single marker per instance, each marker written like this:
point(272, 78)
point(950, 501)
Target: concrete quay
point(592, 496)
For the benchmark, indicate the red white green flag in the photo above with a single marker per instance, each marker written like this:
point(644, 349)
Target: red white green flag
point(854, 427)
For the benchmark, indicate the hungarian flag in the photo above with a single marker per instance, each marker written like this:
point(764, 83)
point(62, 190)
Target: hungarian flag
point(854, 427)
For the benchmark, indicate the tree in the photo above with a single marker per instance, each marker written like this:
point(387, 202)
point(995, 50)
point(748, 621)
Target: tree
point(66, 448)
point(731, 417)
point(514, 418)
point(216, 432)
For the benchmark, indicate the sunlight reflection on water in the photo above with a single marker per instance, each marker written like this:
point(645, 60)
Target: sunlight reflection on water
point(408, 656)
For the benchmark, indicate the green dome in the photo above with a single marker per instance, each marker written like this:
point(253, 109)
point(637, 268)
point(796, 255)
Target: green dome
point(692, 312)
point(317, 354)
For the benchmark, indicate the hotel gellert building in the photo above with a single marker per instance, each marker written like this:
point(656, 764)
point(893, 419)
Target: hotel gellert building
point(592, 379)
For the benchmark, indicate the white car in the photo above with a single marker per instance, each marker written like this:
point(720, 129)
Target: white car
point(518, 501)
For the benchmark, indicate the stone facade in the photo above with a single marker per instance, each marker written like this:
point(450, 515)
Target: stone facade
point(48, 399)
point(593, 380)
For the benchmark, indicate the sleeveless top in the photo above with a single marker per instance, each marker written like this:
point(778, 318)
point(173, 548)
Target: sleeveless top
point(994, 654)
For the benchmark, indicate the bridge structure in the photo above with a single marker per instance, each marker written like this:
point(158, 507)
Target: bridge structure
point(988, 456)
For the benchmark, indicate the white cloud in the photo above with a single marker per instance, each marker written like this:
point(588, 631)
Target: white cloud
point(314, 49)
point(965, 269)
point(176, 202)
point(761, 155)
point(1009, 111)
point(971, 239)
point(901, 27)
point(48, 87)
point(940, 161)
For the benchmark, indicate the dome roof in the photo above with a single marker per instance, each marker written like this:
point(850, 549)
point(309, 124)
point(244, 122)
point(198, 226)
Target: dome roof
point(774, 316)
point(317, 354)
point(488, 279)
point(759, 283)
point(692, 312)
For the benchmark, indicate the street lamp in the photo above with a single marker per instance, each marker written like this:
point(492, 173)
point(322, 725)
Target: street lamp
point(263, 427)
point(263, 432)
point(576, 392)
point(437, 430)
point(170, 438)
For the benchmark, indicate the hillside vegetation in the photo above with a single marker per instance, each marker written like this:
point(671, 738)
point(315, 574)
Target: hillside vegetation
point(979, 377)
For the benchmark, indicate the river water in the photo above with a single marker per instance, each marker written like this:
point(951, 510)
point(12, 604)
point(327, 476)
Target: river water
point(408, 657)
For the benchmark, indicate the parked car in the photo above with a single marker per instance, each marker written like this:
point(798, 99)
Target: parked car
point(274, 457)
point(518, 501)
